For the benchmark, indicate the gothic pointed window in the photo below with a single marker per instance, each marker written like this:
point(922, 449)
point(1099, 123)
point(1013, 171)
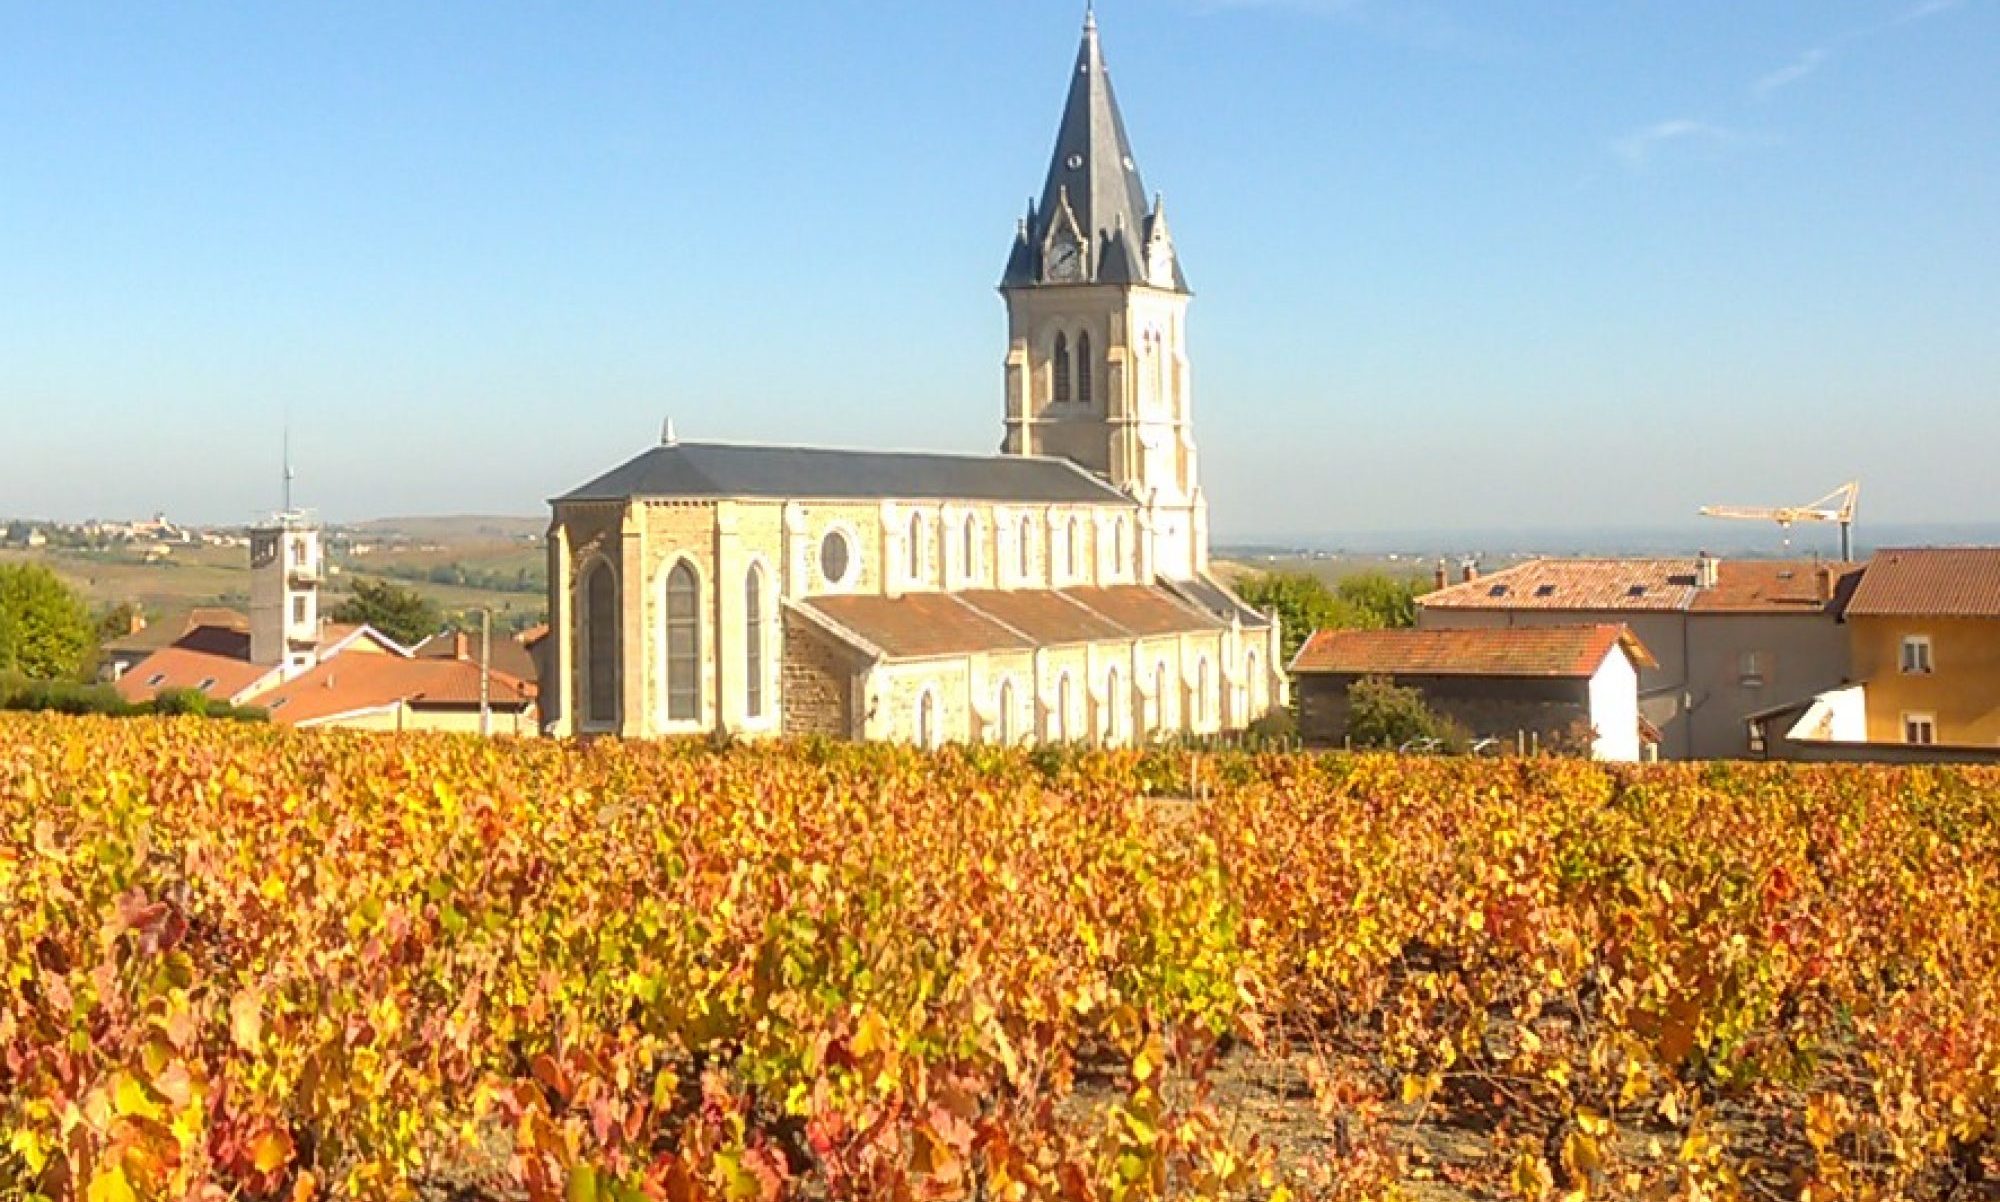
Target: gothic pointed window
point(1006, 715)
point(1085, 368)
point(1160, 697)
point(683, 644)
point(1061, 367)
point(753, 642)
point(916, 546)
point(1111, 705)
point(1201, 691)
point(1060, 726)
point(1027, 547)
point(1118, 545)
point(600, 646)
point(1074, 546)
point(969, 562)
point(927, 720)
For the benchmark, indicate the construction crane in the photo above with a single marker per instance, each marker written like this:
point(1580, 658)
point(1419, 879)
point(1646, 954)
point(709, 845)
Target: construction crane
point(1836, 506)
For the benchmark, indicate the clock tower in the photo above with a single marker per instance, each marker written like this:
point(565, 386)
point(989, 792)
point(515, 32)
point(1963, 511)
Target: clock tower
point(1097, 368)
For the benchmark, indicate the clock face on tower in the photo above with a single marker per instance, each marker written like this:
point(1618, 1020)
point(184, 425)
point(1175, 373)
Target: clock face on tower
point(1065, 265)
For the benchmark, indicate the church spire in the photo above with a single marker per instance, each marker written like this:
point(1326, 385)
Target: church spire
point(1093, 186)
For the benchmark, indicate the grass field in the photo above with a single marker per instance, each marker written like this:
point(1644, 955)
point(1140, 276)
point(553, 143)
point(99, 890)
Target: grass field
point(195, 576)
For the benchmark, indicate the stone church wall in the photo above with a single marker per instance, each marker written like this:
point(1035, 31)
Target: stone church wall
point(818, 674)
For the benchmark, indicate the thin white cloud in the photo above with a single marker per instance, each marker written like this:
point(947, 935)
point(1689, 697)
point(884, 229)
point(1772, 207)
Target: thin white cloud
point(1923, 12)
point(1792, 72)
point(1819, 56)
point(1638, 148)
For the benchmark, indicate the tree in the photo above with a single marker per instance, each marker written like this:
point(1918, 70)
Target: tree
point(119, 621)
point(45, 628)
point(405, 615)
point(1384, 714)
point(1303, 604)
point(1365, 601)
point(1385, 602)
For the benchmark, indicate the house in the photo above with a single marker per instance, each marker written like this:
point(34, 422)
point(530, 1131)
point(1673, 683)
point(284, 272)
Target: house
point(1058, 591)
point(1541, 682)
point(308, 672)
point(403, 692)
point(1731, 638)
point(1924, 642)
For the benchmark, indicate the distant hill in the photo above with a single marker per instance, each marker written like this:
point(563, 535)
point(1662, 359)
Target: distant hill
point(453, 528)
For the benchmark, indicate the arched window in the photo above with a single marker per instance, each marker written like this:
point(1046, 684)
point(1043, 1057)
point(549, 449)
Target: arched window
point(1160, 697)
point(1061, 731)
point(1201, 691)
point(600, 646)
point(1084, 368)
point(1061, 365)
point(970, 560)
point(1027, 546)
point(927, 720)
point(916, 546)
point(1006, 730)
point(1253, 683)
point(1075, 541)
point(1111, 707)
point(753, 642)
point(1118, 544)
point(683, 644)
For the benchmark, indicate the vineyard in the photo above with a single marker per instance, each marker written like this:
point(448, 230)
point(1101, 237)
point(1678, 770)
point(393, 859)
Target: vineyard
point(242, 962)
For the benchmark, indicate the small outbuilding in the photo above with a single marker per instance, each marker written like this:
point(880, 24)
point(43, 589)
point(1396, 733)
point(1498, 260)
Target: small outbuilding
point(1503, 682)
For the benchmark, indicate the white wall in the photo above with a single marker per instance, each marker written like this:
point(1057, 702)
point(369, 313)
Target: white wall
point(1614, 708)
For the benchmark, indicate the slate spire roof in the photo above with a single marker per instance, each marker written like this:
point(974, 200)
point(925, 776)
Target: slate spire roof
point(1093, 189)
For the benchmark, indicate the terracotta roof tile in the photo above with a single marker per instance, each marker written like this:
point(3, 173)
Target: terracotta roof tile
point(917, 626)
point(1594, 584)
point(1649, 586)
point(186, 667)
point(1048, 617)
point(350, 684)
point(923, 625)
point(1530, 651)
point(1778, 586)
point(1930, 582)
point(1145, 611)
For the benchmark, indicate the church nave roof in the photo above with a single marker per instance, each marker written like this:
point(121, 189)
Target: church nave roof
point(721, 470)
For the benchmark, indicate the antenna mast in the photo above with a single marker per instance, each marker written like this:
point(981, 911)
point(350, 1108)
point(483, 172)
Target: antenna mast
point(288, 467)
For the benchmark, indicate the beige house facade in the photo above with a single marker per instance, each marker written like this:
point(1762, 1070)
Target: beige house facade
point(1056, 592)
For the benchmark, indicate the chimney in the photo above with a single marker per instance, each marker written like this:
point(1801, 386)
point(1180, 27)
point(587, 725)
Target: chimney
point(1827, 576)
point(1469, 571)
point(1707, 571)
point(1440, 576)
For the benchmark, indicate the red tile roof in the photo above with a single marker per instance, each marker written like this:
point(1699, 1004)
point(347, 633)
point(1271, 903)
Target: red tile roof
point(916, 626)
point(924, 625)
point(1649, 586)
point(1778, 586)
point(182, 666)
point(1523, 651)
point(350, 684)
point(1930, 582)
point(1046, 616)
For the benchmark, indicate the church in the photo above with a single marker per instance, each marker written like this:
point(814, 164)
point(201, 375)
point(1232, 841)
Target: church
point(1057, 592)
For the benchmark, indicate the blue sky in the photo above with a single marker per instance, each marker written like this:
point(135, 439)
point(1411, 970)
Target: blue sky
point(1456, 264)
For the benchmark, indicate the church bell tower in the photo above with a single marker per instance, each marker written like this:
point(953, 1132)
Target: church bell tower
point(1097, 367)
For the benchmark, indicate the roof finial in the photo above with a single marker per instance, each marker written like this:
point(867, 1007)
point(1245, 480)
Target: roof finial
point(667, 436)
